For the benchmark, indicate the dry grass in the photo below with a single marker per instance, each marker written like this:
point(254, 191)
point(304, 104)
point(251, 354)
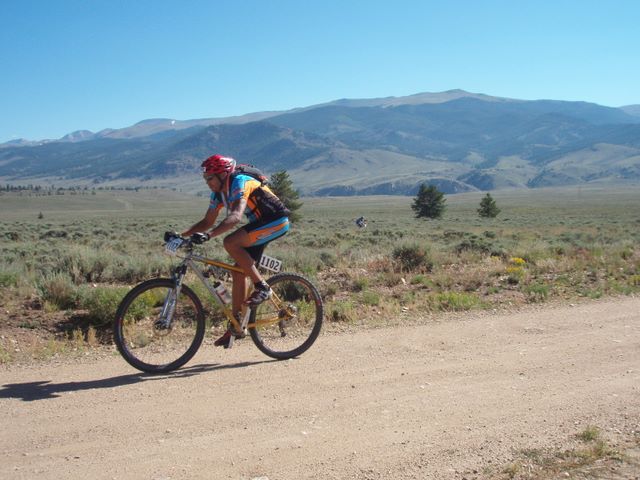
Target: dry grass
point(592, 458)
point(544, 245)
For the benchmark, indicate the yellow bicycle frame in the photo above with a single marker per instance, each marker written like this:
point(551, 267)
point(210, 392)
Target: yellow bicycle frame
point(191, 260)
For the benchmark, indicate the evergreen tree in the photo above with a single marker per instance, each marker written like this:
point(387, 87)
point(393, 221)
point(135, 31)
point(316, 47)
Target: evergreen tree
point(429, 202)
point(281, 185)
point(488, 207)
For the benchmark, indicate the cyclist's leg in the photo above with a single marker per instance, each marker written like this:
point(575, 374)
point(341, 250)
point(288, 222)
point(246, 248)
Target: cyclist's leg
point(243, 244)
point(256, 252)
point(235, 244)
point(239, 291)
point(246, 245)
point(238, 294)
point(264, 232)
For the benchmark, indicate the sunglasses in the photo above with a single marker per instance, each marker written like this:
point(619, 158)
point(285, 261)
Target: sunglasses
point(208, 178)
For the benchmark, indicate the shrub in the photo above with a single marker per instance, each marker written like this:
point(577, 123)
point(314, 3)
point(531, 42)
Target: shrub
point(342, 311)
point(451, 234)
point(5, 355)
point(330, 289)
point(383, 265)
point(626, 253)
point(8, 278)
point(85, 264)
point(590, 434)
point(59, 290)
point(294, 260)
point(536, 292)
point(328, 259)
point(454, 301)
point(55, 234)
point(359, 284)
point(515, 274)
point(101, 303)
point(479, 245)
point(420, 280)
point(134, 268)
point(471, 280)
point(370, 298)
point(412, 258)
point(390, 279)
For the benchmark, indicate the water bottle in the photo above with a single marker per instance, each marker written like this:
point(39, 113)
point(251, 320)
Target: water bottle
point(222, 292)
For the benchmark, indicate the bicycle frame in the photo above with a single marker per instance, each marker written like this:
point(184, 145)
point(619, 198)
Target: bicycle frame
point(190, 261)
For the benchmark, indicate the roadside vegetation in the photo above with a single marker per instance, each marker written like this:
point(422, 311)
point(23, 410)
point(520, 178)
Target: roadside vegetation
point(66, 261)
point(591, 456)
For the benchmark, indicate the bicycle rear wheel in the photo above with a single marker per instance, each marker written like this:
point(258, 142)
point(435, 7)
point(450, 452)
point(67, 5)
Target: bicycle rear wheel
point(148, 338)
point(289, 323)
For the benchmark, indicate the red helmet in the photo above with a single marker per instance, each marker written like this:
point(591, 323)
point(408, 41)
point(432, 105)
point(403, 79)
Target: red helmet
point(217, 164)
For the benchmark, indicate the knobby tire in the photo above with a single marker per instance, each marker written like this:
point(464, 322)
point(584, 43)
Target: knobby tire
point(301, 331)
point(151, 349)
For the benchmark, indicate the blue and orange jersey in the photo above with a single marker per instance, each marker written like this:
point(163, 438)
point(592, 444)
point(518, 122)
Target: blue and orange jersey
point(262, 203)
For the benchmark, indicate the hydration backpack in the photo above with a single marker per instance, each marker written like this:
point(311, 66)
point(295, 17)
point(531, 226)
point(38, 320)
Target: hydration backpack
point(267, 202)
point(253, 172)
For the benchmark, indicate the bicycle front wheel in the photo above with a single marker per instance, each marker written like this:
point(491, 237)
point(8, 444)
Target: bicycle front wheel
point(154, 330)
point(287, 324)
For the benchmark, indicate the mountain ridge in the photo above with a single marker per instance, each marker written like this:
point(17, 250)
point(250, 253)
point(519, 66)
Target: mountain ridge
point(457, 140)
point(159, 124)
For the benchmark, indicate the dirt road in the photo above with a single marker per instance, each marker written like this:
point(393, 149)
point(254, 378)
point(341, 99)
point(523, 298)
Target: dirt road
point(461, 396)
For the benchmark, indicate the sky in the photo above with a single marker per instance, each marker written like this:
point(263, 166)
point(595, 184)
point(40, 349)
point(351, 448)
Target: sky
point(68, 65)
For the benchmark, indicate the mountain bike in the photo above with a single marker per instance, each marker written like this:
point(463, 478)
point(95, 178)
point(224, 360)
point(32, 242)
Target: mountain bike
point(160, 323)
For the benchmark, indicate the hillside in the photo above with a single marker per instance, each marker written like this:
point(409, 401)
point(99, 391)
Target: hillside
point(457, 140)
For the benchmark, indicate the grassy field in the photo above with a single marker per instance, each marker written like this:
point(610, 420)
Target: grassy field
point(70, 258)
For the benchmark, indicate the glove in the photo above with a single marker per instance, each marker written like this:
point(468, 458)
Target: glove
point(199, 238)
point(173, 244)
point(168, 236)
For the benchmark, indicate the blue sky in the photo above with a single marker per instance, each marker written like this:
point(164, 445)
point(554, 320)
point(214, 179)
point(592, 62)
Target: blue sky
point(94, 64)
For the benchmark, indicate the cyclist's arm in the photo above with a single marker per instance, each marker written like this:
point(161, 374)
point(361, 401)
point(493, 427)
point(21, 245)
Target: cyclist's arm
point(203, 225)
point(235, 215)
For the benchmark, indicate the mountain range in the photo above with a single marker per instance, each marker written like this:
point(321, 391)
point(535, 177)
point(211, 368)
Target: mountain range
point(456, 140)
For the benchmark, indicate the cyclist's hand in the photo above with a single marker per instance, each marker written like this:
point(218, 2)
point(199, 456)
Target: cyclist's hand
point(173, 245)
point(199, 238)
point(168, 236)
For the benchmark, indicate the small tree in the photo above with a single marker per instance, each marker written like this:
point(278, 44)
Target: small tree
point(282, 186)
point(429, 202)
point(488, 207)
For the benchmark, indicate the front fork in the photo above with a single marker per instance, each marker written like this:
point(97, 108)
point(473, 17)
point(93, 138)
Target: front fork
point(171, 299)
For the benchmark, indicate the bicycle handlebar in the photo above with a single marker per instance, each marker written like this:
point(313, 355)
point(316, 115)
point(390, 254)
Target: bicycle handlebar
point(174, 241)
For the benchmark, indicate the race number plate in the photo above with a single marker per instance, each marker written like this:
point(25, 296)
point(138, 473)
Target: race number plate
point(271, 263)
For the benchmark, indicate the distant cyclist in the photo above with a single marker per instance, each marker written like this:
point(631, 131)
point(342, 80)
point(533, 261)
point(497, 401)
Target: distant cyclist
point(268, 219)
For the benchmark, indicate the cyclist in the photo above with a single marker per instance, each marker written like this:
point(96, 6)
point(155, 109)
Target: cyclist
point(268, 219)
